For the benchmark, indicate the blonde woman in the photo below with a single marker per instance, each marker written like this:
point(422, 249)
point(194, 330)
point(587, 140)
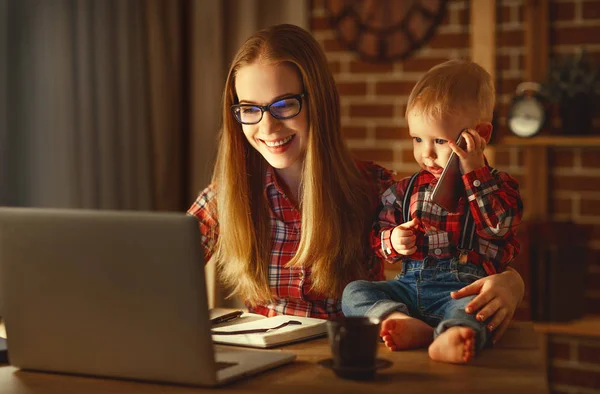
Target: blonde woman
point(288, 213)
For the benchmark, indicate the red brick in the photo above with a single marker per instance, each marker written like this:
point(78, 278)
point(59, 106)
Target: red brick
point(590, 158)
point(354, 132)
point(333, 45)
point(364, 67)
point(562, 11)
point(575, 35)
point(503, 62)
point(408, 156)
point(559, 351)
point(508, 86)
point(512, 38)
point(591, 10)
point(352, 88)
point(576, 183)
point(561, 158)
point(502, 157)
point(320, 23)
point(589, 206)
point(398, 88)
point(389, 133)
point(372, 111)
point(335, 67)
point(464, 16)
point(446, 19)
point(562, 206)
point(505, 14)
point(374, 154)
point(450, 40)
point(416, 64)
point(575, 377)
point(317, 4)
point(502, 111)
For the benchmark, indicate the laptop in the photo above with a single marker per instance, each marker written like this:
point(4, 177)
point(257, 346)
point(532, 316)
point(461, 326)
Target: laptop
point(113, 294)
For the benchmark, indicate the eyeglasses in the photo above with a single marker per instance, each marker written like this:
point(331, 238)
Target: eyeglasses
point(284, 108)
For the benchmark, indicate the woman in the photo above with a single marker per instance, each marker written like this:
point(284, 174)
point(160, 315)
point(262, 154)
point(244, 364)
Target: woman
point(288, 212)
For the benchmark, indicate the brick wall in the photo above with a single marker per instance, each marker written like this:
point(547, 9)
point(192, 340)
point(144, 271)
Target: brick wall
point(373, 103)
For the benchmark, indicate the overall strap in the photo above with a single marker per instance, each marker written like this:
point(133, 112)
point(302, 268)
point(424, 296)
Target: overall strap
point(407, 195)
point(468, 233)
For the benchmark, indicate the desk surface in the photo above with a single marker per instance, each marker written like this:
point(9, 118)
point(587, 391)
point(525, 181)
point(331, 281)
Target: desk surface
point(515, 365)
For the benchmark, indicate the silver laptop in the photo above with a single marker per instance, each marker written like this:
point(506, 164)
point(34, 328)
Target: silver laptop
point(113, 294)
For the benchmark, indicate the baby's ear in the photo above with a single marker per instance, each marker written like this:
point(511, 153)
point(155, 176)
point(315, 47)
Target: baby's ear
point(485, 130)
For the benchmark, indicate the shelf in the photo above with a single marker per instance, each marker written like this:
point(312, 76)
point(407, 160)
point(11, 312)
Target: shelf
point(553, 141)
point(588, 326)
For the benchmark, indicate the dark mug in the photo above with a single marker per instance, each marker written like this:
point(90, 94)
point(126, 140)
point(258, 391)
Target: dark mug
point(354, 342)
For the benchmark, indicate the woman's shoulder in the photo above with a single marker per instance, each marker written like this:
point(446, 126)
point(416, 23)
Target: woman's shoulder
point(375, 172)
point(205, 203)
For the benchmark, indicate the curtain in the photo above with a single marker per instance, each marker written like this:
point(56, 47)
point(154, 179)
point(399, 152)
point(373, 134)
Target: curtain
point(94, 115)
point(3, 103)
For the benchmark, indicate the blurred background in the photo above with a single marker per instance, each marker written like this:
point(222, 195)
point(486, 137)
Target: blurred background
point(116, 104)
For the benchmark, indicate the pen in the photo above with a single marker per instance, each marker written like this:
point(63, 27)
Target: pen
point(226, 317)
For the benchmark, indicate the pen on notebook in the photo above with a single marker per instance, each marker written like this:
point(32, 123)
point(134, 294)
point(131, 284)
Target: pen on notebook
point(226, 317)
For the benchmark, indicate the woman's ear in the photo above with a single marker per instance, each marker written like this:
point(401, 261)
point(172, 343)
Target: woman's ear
point(485, 130)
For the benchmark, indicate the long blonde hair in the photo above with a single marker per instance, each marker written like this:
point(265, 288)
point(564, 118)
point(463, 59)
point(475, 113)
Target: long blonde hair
point(336, 201)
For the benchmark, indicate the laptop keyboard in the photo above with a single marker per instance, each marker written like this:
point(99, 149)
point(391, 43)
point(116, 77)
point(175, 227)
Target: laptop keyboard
point(222, 365)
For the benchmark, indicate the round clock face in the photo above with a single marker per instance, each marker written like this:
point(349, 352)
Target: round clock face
point(385, 30)
point(526, 116)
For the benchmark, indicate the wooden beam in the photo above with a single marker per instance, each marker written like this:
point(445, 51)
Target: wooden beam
point(537, 43)
point(483, 45)
point(483, 34)
point(536, 182)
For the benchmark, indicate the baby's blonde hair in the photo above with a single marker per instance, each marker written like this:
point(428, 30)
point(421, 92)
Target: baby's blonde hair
point(454, 88)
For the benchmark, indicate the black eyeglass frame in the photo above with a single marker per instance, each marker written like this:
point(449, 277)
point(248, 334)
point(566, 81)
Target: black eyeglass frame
point(263, 108)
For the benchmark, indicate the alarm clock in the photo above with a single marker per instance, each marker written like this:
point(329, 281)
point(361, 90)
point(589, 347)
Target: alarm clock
point(527, 115)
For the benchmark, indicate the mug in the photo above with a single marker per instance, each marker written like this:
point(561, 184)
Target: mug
point(354, 342)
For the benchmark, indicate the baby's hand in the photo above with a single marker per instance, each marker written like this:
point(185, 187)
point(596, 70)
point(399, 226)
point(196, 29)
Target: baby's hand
point(403, 238)
point(472, 157)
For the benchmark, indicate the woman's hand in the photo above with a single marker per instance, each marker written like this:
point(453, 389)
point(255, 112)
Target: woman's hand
point(497, 298)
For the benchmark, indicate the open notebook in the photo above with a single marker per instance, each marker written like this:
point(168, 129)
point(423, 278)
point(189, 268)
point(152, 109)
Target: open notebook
point(255, 330)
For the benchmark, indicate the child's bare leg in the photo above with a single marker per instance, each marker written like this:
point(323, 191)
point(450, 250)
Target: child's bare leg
point(455, 345)
point(400, 331)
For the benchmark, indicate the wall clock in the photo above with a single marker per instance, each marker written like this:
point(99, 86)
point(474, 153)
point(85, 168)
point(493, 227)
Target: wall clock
point(385, 30)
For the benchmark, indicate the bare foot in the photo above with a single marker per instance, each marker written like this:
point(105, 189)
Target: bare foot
point(455, 345)
point(400, 331)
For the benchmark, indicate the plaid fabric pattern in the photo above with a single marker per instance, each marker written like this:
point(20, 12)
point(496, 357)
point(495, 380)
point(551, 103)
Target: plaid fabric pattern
point(291, 286)
point(495, 204)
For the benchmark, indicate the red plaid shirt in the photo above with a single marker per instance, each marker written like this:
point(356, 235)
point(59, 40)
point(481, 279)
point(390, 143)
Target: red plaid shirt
point(290, 286)
point(496, 208)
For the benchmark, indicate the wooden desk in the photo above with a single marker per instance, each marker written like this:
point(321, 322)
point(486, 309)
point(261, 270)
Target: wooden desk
point(513, 366)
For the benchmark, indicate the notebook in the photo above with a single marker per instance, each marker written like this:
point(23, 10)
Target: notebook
point(113, 294)
point(253, 330)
